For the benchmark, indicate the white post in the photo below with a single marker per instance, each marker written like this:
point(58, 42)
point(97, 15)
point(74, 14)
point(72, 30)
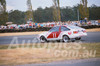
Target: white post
point(78, 14)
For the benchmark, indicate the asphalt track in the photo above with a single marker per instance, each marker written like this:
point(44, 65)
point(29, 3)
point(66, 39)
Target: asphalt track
point(93, 37)
point(81, 62)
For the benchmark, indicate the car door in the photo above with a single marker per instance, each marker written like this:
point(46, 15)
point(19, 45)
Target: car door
point(54, 32)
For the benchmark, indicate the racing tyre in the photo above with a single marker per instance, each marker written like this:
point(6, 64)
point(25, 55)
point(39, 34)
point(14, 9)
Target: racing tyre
point(43, 39)
point(65, 38)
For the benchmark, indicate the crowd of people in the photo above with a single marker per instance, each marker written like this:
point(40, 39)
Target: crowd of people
point(45, 24)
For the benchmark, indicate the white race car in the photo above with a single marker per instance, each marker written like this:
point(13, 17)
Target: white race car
point(63, 33)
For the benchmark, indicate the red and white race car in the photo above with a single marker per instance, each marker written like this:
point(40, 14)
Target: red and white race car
point(64, 33)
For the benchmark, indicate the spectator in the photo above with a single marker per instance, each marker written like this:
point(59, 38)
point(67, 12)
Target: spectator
point(85, 20)
point(81, 21)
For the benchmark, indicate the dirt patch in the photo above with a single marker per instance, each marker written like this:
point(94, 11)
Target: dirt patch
point(19, 33)
point(93, 30)
point(22, 56)
point(27, 56)
point(31, 55)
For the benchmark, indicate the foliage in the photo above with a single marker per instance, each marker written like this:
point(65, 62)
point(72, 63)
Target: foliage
point(56, 10)
point(45, 15)
point(17, 17)
point(3, 13)
point(94, 12)
point(29, 13)
point(3, 18)
point(84, 11)
point(3, 4)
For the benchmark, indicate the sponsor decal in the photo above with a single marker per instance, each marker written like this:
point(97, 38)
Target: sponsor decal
point(69, 33)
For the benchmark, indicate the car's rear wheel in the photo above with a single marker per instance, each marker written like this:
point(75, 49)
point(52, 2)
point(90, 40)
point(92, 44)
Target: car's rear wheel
point(43, 39)
point(65, 38)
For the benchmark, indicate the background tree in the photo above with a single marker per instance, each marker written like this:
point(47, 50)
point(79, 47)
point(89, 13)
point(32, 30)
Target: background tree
point(56, 11)
point(94, 12)
point(17, 17)
point(84, 11)
point(46, 14)
point(29, 13)
point(43, 15)
point(67, 14)
point(3, 13)
point(59, 16)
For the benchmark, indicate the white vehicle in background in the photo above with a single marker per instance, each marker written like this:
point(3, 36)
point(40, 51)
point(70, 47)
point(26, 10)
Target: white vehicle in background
point(63, 33)
point(94, 22)
point(12, 25)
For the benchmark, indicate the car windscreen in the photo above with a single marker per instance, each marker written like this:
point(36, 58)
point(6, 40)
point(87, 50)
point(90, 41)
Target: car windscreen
point(54, 29)
point(63, 28)
point(74, 27)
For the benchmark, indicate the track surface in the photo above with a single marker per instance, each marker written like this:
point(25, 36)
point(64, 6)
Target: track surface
point(91, 38)
point(84, 62)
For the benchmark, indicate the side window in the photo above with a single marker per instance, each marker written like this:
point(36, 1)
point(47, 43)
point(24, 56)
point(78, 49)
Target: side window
point(54, 29)
point(64, 28)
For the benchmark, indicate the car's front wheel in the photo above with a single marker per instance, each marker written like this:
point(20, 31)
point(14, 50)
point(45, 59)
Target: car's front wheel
point(43, 39)
point(65, 38)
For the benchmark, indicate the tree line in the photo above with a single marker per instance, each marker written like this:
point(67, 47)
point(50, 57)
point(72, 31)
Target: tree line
point(46, 14)
point(3, 13)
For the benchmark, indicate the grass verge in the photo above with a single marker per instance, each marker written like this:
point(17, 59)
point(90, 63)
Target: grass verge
point(42, 53)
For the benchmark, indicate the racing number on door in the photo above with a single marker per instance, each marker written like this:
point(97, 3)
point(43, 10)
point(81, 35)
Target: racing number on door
point(54, 35)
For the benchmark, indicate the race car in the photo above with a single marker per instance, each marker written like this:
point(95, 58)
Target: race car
point(63, 33)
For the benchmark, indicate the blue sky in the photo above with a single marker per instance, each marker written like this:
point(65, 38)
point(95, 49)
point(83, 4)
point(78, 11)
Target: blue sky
point(21, 4)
